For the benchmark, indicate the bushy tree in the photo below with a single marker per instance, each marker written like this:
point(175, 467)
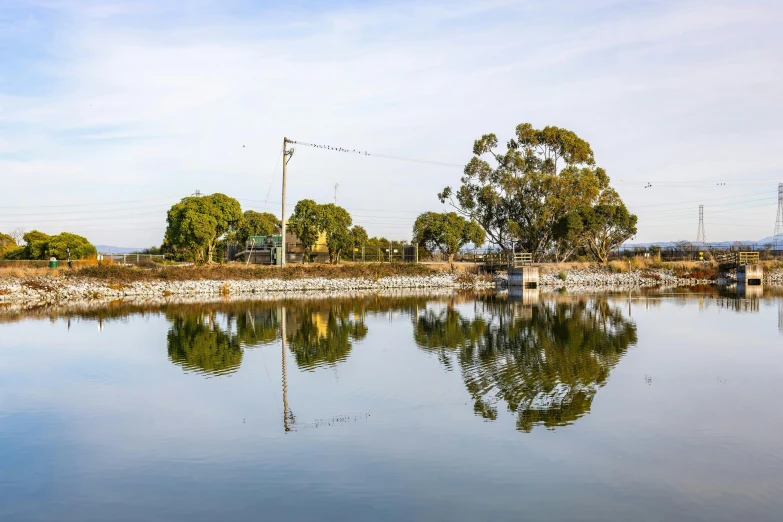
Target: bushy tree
point(79, 246)
point(41, 246)
point(542, 175)
point(306, 223)
point(256, 224)
point(196, 224)
point(36, 245)
point(335, 222)
point(7, 244)
point(447, 232)
point(598, 229)
point(359, 236)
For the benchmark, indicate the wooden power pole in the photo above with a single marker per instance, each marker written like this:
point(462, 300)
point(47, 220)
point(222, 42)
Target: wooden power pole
point(286, 156)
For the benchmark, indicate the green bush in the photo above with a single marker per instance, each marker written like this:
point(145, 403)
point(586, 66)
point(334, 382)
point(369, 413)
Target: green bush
point(562, 275)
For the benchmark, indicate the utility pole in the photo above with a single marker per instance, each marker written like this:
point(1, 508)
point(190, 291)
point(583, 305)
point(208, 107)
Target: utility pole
point(286, 157)
point(335, 193)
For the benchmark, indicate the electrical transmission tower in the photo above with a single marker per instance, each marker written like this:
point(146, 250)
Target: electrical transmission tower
point(701, 236)
point(779, 221)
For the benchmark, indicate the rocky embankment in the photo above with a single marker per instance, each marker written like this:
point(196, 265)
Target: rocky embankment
point(51, 290)
point(43, 290)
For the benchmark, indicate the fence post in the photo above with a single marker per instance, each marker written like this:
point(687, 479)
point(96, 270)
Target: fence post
point(390, 252)
point(416, 253)
point(380, 257)
point(362, 252)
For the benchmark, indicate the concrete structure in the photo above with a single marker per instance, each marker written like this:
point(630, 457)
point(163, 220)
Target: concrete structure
point(524, 276)
point(750, 275)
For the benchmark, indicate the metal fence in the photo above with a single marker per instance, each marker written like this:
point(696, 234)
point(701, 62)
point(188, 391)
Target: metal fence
point(692, 252)
point(389, 253)
point(130, 259)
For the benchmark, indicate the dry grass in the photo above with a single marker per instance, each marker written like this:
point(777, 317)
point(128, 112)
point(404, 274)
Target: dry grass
point(124, 274)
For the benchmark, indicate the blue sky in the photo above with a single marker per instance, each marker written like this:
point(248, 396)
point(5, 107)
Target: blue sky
point(126, 106)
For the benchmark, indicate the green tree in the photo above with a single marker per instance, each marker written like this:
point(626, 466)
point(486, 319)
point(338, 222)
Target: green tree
point(446, 232)
point(36, 245)
point(256, 224)
point(7, 244)
point(359, 236)
point(80, 247)
point(196, 224)
point(307, 224)
point(599, 229)
point(335, 222)
point(542, 175)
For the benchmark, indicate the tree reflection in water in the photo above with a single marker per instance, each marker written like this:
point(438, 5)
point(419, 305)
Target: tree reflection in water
point(323, 335)
point(197, 343)
point(545, 363)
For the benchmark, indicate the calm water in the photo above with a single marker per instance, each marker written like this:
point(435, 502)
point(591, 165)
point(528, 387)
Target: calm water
point(447, 407)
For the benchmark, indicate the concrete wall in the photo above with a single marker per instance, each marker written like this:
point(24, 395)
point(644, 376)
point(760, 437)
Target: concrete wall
point(526, 277)
point(750, 274)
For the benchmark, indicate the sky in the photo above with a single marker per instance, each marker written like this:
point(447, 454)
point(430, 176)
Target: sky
point(111, 111)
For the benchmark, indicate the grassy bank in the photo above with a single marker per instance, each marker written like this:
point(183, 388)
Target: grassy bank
point(129, 274)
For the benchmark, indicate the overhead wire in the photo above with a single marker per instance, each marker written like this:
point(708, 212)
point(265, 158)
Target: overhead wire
point(384, 156)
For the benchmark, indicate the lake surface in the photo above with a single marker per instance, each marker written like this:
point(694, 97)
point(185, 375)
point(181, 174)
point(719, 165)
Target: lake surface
point(644, 407)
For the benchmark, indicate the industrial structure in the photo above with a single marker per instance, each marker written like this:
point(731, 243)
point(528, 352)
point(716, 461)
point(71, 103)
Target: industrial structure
point(701, 235)
point(777, 239)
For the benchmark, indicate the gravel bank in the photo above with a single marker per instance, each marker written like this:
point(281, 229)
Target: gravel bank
point(43, 290)
point(51, 290)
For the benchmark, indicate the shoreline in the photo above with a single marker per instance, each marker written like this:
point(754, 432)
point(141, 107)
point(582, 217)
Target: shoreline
point(43, 289)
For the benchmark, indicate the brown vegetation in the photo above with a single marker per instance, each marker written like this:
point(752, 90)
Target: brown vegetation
point(125, 274)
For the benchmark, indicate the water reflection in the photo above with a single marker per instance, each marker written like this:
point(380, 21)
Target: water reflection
point(197, 343)
point(546, 367)
point(741, 297)
point(323, 335)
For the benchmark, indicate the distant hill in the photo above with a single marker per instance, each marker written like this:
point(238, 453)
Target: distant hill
point(715, 244)
point(108, 249)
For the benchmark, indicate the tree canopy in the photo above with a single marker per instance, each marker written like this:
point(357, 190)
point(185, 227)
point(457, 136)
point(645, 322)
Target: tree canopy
point(335, 221)
point(196, 224)
point(40, 246)
point(359, 236)
point(256, 224)
point(519, 199)
point(599, 229)
point(306, 224)
point(310, 219)
point(7, 244)
point(447, 232)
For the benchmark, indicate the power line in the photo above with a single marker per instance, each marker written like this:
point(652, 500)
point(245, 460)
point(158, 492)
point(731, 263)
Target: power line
point(99, 211)
point(274, 173)
point(92, 204)
point(384, 156)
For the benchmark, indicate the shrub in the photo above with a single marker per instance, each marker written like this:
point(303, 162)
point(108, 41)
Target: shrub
point(562, 275)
